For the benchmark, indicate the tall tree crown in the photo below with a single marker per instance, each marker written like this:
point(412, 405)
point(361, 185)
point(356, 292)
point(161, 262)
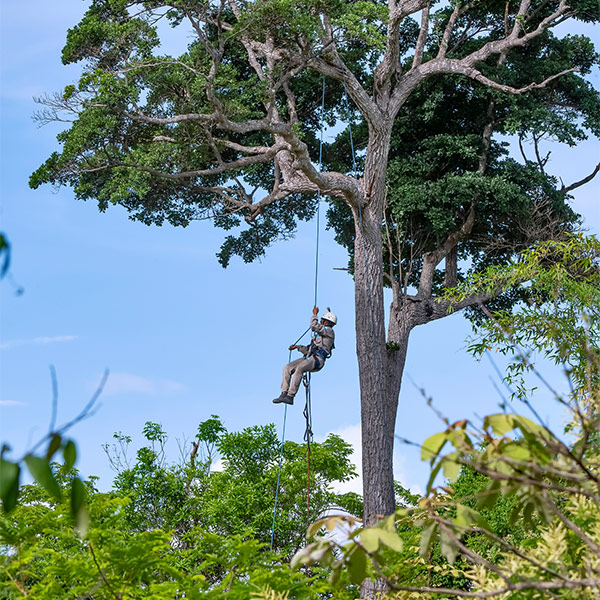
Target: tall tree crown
point(228, 130)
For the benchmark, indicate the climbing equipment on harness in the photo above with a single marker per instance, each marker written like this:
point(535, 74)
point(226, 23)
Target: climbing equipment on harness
point(319, 354)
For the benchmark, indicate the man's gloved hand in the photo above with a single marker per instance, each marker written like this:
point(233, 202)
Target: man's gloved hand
point(315, 311)
point(292, 347)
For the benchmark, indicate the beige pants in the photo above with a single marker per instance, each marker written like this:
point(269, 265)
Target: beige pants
point(295, 370)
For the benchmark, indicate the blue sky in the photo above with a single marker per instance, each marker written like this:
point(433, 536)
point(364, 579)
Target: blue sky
point(182, 337)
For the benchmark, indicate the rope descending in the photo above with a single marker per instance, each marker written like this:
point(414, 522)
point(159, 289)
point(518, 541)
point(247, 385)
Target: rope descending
point(308, 434)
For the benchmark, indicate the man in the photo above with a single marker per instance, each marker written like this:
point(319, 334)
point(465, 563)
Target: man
point(314, 358)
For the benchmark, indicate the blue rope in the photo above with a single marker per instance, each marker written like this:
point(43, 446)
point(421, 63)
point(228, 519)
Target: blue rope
point(319, 192)
point(278, 475)
point(307, 408)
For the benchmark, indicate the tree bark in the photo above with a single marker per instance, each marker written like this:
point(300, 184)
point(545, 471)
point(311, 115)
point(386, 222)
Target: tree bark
point(380, 371)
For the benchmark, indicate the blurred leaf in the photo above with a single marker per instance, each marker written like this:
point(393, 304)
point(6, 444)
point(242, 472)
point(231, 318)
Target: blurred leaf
point(500, 423)
point(78, 496)
point(357, 565)
point(369, 538)
point(42, 473)
point(451, 467)
point(53, 446)
point(449, 547)
point(433, 445)
point(9, 484)
point(391, 540)
point(70, 454)
point(466, 517)
point(427, 538)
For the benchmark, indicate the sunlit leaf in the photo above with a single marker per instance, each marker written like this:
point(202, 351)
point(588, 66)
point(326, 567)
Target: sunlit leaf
point(433, 445)
point(369, 538)
point(500, 423)
point(391, 540)
point(451, 467)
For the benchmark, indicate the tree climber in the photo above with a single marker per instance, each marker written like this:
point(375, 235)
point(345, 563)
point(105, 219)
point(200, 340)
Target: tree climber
point(314, 358)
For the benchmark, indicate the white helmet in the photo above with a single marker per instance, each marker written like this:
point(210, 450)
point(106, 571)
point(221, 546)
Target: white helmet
point(330, 316)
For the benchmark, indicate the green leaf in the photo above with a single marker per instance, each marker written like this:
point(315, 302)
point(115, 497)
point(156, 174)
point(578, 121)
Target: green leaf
point(77, 496)
point(427, 539)
point(514, 515)
point(53, 446)
point(516, 450)
point(391, 540)
point(369, 538)
point(42, 473)
point(449, 547)
point(9, 484)
point(357, 565)
point(70, 454)
point(433, 475)
point(336, 573)
point(525, 424)
point(433, 445)
point(500, 423)
point(451, 467)
point(527, 514)
point(466, 517)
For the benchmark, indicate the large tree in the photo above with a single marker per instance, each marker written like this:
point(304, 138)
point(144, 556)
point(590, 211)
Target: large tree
point(229, 130)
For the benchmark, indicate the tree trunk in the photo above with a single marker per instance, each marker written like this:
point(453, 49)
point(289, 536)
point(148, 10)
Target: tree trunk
point(380, 371)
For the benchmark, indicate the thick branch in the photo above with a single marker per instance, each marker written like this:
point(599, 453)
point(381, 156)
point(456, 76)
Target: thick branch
point(422, 39)
point(331, 65)
point(391, 60)
point(432, 259)
point(583, 181)
point(462, 68)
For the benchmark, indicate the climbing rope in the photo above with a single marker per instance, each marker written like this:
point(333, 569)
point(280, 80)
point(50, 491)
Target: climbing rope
point(308, 438)
point(308, 434)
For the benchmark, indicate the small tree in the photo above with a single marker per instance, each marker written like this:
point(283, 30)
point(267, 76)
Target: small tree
point(237, 500)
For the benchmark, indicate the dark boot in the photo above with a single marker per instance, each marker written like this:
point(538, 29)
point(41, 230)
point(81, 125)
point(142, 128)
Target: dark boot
point(281, 398)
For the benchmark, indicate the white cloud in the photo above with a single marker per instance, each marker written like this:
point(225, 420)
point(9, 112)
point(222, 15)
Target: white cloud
point(351, 435)
point(127, 383)
point(41, 340)
point(11, 403)
point(402, 472)
point(55, 339)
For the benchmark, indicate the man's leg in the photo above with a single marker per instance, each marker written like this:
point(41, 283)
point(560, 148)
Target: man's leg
point(302, 367)
point(288, 371)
